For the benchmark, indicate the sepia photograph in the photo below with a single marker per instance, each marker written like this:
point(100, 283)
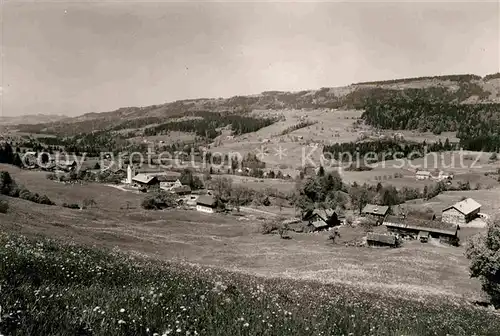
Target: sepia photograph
point(249, 168)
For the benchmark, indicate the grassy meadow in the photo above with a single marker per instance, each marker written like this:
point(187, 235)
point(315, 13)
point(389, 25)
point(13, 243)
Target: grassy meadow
point(50, 288)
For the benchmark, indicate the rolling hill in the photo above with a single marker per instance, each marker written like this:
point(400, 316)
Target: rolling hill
point(462, 89)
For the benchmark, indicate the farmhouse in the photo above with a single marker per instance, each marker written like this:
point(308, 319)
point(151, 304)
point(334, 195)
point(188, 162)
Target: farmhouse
point(206, 203)
point(143, 180)
point(422, 229)
point(380, 239)
point(169, 182)
point(377, 212)
point(328, 216)
point(67, 166)
point(423, 175)
point(444, 176)
point(462, 212)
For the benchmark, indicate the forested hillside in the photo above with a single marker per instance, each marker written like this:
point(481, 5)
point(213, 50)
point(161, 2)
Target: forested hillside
point(477, 125)
point(421, 91)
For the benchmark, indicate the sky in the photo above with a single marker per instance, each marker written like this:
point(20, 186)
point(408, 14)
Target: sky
point(60, 57)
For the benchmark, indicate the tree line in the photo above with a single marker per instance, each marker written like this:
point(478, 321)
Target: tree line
point(457, 78)
point(209, 126)
point(477, 125)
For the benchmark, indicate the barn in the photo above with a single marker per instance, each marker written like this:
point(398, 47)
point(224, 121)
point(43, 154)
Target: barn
point(380, 239)
point(328, 216)
point(462, 212)
point(422, 229)
point(377, 212)
point(206, 203)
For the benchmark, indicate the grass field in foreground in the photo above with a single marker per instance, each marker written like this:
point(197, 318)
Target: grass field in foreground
point(48, 288)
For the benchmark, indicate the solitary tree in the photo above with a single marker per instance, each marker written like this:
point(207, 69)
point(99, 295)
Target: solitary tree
point(484, 252)
point(494, 156)
point(89, 203)
point(4, 206)
point(239, 195)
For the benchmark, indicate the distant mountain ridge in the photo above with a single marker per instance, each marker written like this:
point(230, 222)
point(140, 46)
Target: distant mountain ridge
point(466, 88)
point(31, 119)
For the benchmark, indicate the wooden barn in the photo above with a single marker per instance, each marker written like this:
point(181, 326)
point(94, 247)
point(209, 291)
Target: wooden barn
point(328, 216)
point(462, 212)
point(381, 239)
point(376, 212)
point(422, 229)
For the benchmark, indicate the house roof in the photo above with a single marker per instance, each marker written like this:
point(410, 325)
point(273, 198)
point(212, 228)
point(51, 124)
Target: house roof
point(421, 214)
point(167, 178)
point(206, 200)
point(324, 214)
point(420, 225)
point(466, 206)
point(375, 209)
point(381, 238)
point(319, 223)
point(143, 178)
point(183, 188)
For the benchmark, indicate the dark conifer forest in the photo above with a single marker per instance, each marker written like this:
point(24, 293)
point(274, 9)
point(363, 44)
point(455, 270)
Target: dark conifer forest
point(477, 125)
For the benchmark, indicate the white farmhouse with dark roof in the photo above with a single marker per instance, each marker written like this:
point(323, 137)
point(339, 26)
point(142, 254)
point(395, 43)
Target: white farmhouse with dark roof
point(461, 212)
point(143, 180)
point(206, 203)
point(423, 175)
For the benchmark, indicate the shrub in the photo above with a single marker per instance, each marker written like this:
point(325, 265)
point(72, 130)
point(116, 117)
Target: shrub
point(45, 200)
point(4, 206)
point(71, 205)
point(159, 200)
point(25, 194)
point(149, 203)
point(349, 220)
point(268, 227)
point(6, 183)
point(89, 203)
point(283, 232)
point(334, 235)
point(51, 176)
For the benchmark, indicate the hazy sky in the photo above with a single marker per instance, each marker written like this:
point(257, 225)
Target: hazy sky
point(72, 58)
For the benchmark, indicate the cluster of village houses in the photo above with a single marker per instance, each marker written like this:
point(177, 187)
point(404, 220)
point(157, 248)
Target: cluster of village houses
point(59, 166)
point(422, 227)
point(427, 175)
point(170, 182)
